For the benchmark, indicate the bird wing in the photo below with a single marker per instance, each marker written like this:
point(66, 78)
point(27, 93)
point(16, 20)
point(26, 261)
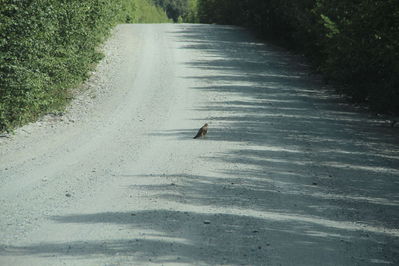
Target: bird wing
point(199, 133)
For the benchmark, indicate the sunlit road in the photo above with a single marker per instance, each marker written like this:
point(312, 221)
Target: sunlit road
point(288, 174)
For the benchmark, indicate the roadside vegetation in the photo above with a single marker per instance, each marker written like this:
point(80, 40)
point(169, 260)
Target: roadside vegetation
point(144, 11)
point(48, 47)
point(354, 44)
point(180, 10)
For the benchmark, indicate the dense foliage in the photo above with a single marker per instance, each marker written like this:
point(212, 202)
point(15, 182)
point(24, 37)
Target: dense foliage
point(354, 43)
point(144, 11)
point(179, 10)
point(47, 46)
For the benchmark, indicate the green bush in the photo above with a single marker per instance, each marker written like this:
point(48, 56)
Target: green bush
point(360, 45)
point(48, 46)
point(355, 44)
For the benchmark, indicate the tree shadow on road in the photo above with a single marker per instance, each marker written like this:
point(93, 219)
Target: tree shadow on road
point(287, 120)
point(178, 237)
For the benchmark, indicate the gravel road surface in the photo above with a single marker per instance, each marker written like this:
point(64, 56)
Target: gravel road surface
point(289, 174)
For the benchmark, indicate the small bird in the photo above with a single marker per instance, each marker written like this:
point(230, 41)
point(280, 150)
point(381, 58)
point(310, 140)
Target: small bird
point(202, 131)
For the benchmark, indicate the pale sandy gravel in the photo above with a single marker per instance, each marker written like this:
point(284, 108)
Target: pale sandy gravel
point(288, 174)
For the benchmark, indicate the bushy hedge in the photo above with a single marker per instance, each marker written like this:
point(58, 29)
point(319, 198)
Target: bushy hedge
point(353, 43)
point(48, 46)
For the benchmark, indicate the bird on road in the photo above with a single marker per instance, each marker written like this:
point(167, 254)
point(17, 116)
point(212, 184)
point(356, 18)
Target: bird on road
point(202, 131)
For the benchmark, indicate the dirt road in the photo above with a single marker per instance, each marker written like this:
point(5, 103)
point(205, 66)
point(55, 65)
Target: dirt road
point(288, 174)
